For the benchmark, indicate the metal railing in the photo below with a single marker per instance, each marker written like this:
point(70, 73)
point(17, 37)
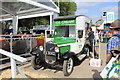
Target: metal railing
point(12, 40)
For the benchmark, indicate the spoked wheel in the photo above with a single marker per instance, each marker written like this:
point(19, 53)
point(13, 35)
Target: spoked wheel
point(88, 52)
point(36, 62)
point(68, 66)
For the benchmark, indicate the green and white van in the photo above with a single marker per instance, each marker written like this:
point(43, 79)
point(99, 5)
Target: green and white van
point(67, 44)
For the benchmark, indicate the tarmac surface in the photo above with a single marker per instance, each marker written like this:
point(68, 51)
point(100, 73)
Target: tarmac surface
point(84, 70)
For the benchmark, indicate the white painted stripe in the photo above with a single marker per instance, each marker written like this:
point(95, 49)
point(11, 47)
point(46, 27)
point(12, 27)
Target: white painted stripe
point(65, 45)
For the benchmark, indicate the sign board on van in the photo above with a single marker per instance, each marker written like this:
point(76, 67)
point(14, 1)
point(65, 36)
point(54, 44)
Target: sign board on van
point(110, 17)
point(65, 22)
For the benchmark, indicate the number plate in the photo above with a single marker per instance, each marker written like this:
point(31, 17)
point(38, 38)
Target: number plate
point(50, 53)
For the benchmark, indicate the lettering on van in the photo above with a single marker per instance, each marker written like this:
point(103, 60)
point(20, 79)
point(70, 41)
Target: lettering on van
point(65, 22)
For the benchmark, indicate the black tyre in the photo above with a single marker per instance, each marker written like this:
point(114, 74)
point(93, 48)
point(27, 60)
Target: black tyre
point(36, 62)
point(68, 66)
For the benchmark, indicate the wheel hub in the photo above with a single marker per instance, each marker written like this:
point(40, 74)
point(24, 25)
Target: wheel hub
point(70, 65)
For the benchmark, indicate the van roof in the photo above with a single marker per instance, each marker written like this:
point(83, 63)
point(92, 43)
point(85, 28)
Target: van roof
point(68, 17)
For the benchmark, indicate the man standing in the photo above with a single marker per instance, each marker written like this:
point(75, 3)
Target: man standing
point(114, 41)
point(91, 40)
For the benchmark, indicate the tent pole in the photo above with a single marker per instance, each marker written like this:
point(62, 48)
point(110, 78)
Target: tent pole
point(15, 24)
point(51, 22)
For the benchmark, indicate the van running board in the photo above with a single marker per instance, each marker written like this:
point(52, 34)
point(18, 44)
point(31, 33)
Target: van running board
point(80, 57)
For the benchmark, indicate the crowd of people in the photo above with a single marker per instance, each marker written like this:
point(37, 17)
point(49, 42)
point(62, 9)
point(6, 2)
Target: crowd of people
point(113, 37)
point(19, 34)
point(114, 42)
point(100, 35)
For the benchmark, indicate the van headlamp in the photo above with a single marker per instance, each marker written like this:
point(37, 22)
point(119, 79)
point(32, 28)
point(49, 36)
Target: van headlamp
point(41, 48)
point(57, 49)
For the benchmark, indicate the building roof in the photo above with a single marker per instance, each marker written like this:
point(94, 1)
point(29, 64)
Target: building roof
point(99, 22)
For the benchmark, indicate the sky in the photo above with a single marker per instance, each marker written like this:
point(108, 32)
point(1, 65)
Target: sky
point(95, 9)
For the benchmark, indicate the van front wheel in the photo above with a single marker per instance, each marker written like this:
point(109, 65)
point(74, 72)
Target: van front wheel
point(36, 62)
point(68, 66)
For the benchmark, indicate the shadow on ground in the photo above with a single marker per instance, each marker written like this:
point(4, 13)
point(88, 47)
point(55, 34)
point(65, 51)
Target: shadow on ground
point(96, 75)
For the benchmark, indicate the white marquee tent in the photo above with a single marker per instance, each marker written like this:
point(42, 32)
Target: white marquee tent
point(19, 9)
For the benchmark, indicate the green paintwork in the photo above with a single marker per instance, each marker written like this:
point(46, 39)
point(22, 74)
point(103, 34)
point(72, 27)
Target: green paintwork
point(65, 22)
point(57, 33)
point(61, 41)
point(64, 49)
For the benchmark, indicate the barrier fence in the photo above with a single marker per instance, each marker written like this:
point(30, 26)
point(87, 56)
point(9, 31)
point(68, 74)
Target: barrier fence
point(12, 45)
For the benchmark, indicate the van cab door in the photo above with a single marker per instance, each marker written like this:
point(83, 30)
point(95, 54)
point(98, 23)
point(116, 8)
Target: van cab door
point(80, 41)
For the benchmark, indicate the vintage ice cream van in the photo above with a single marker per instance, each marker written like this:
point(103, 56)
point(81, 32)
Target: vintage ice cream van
point(66, 45)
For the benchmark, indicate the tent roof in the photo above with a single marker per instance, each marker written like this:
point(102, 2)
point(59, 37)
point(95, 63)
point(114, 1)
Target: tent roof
point(25, 8)
point(68, 17)
point(99, 22)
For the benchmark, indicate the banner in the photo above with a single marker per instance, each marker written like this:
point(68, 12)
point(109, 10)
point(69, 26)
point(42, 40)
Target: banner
point(112, 69)
point(110, 17)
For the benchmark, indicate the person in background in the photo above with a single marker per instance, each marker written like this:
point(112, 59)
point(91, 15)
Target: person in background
point(25, 33)
point(96, 37)
point(14, 36)
point(49, 36)
point(104, 35)
point(42, 36)
point(101, 36)
point(41, 39)
point(11, 33)
point(6, 33)
point(34, 35)
point(110, 34)
point(19, 33)
point(24, 36)
point(2, 39)
point(114, 41)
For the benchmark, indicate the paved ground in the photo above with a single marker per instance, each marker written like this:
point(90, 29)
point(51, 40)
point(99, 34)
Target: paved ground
point(81, 71)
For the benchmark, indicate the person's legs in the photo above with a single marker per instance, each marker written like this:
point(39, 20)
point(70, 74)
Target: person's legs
point(95, 54)
point(91, 49)
point(93, 45)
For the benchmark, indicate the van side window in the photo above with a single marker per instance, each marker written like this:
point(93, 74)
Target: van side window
point(80, 33)
point(87, 25)
point(48, 34)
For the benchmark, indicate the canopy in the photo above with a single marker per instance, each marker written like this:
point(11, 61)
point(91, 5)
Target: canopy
point(19, 9)
point(26, 8)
